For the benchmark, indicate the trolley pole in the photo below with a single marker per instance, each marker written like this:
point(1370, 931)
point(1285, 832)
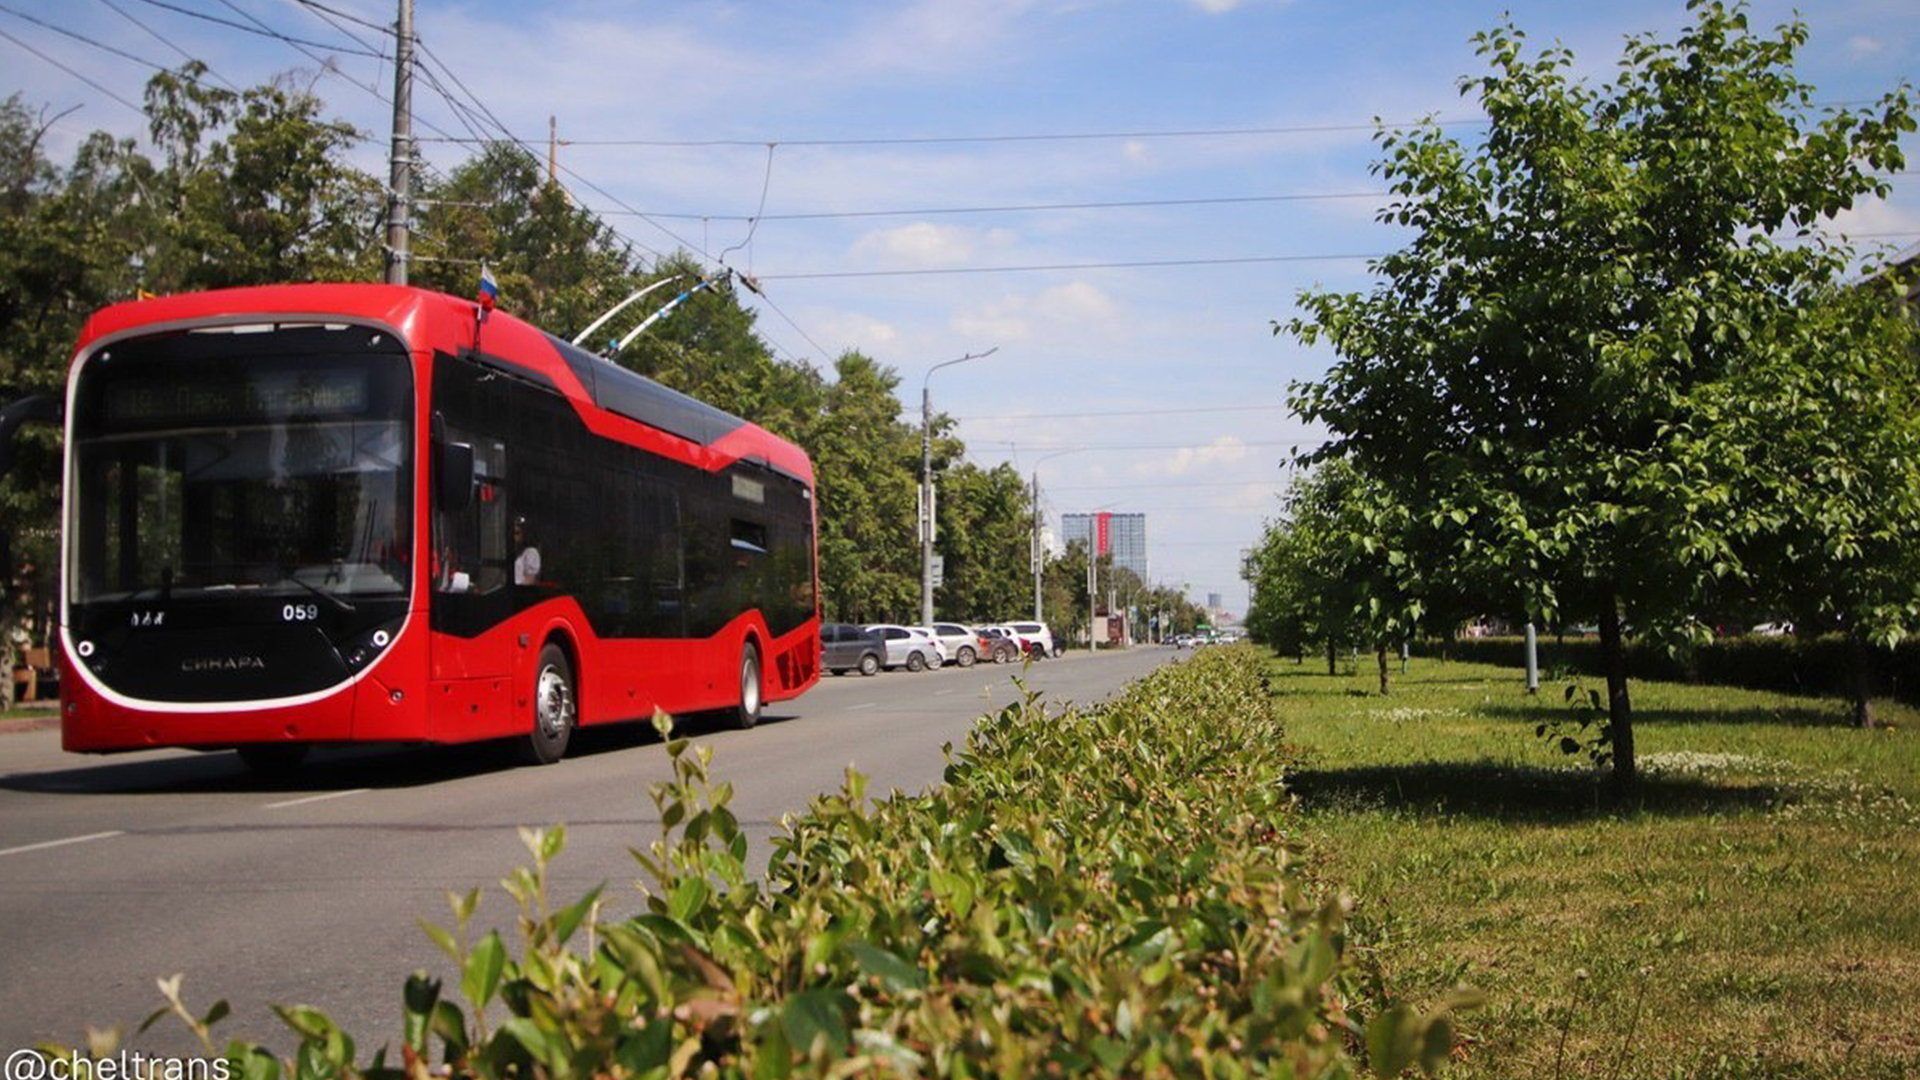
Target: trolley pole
point(400, 182)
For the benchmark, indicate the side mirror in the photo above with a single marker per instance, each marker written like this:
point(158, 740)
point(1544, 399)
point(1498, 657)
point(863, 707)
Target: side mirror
point(37, 408)
point(453, 466)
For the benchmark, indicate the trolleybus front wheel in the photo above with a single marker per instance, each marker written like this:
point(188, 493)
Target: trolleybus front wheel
point(555, 708)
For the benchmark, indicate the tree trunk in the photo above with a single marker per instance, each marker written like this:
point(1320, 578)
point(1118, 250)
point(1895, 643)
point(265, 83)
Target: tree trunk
point(1332, 658)
point(1382, 654)
point(1613, 657)
point(1860, 681)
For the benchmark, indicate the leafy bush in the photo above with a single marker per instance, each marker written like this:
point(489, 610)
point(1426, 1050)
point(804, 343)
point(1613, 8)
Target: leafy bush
point(1092, 892)
point(1787, 664)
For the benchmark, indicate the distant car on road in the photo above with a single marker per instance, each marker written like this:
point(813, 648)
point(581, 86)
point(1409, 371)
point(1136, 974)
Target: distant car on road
point(907, 648)
point(844, 648)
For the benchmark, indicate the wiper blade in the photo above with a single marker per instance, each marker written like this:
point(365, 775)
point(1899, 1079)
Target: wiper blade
point(320, 592)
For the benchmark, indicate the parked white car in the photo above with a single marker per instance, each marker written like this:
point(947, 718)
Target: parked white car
point(907, 648)
point(959, 644)
point(946, 655)
point(1037, 634)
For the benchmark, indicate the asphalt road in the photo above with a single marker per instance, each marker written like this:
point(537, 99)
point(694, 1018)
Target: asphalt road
point(116, 870)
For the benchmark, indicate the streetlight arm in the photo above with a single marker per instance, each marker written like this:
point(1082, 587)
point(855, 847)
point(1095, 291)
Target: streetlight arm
point(926, 481)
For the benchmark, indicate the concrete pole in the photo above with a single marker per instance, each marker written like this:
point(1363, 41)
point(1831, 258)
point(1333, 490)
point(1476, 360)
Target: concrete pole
point(1533, 661)
point(400, 182)
point(1039, 556)
point(926, 505)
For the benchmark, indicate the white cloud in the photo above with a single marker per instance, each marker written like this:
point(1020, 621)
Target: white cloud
point(851, 330)
point(1865, 45)
point(1225, 450)
point(935, 36)
point(1078, 308)
point(925, 244)
point(1221, 7)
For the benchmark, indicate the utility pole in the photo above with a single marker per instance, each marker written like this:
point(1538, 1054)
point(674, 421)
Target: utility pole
point(926, 482)
point(400, 183)
point(1039, 556)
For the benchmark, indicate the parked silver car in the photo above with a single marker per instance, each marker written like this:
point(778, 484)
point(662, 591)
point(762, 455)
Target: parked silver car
point(906, 648)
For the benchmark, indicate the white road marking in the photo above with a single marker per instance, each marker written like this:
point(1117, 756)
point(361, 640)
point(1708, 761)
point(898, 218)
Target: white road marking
point(856, 708)
point(316, 798)
point(44, 844)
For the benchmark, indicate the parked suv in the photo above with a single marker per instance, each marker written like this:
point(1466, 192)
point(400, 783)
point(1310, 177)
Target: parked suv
point(845, 648)
point(906, 648)
point(960, 644)
point(1037, 637)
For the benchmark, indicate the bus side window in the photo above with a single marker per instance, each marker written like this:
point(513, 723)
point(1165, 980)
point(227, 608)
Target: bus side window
point(495, 566)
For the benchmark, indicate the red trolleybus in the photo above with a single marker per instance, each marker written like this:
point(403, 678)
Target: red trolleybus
point(340, 513)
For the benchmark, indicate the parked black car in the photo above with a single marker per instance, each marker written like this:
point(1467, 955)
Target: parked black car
point(844, 647)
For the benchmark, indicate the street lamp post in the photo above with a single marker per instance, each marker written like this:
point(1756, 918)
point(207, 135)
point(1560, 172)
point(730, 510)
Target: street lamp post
point(926, 482)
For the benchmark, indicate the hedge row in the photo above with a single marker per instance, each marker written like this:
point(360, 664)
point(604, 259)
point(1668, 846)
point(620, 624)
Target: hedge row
point(1785, 663)
point(1107, 891)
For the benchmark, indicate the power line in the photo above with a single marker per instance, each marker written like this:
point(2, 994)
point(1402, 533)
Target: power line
point(1063, 447)
point(1185, 484)
point(169, 43)
point(349, 16)
point(327, 15)
point(1129, 265)
point(73, 73)
point(260, 28)
point(1125, 412)
point(1075, 136)
point(1024, 208)
point(82, 38)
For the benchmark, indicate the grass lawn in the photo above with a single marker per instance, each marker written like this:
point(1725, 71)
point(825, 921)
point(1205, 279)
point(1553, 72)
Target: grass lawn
point(1754, 912)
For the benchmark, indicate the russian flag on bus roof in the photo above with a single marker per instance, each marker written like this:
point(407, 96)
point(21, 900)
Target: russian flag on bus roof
point(489, 289)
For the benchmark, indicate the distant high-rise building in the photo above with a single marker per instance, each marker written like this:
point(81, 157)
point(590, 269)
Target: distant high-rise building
point(1124, 536)
point(1213, 601)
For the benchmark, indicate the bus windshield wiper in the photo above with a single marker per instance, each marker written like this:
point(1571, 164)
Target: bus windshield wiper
point(323, 594)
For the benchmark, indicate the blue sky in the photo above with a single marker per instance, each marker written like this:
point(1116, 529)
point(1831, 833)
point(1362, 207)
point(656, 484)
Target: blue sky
point(1155, 389)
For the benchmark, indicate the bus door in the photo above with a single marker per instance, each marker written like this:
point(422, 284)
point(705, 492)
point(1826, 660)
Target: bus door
point(473, 569)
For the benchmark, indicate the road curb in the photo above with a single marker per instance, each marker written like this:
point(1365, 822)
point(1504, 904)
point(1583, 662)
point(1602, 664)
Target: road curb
point(20, 725)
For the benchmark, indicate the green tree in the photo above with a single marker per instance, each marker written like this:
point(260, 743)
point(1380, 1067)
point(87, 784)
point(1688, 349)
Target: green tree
point(1342, 566)
point(1063, 586)
point(866, 460)
point(1536, 370)
point(1831, 442)
point(986, 538)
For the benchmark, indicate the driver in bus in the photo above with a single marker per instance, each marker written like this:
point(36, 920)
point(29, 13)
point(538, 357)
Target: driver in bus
point(526, 566)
